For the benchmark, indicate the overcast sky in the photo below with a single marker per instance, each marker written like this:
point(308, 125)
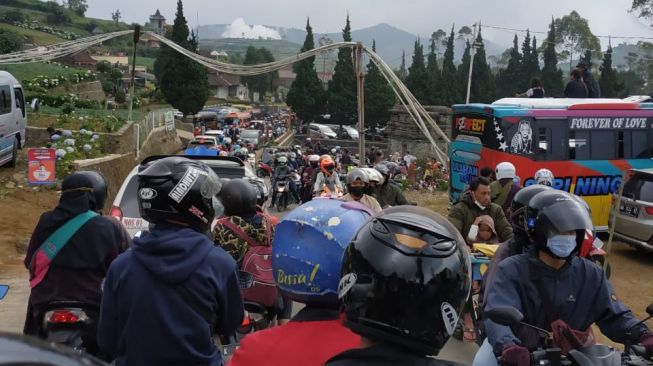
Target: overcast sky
point(606, 17)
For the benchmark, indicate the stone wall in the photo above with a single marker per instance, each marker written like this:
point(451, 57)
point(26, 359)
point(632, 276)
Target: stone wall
point(120, 142)
point(404, 135)
point(88, 90)
point(160, 142)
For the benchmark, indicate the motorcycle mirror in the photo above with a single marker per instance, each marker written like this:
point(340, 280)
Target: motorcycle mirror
point(3, 291)
point(507, 316)
point(649, 310)
point(245, 280)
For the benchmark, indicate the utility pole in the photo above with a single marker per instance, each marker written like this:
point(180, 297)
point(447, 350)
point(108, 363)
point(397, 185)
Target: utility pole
point(137, 36)
point(472, 52)
point(360, 88)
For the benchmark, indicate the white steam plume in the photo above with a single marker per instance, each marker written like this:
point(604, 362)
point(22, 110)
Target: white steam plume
point(239, 29)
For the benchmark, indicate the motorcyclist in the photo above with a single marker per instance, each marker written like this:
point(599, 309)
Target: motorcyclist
point(301, 247)
point(407, 259)
point(327, 180)
point(553, 287)
point(293, 163)
point(544, 176)
point(307, 177)
point(282, 171)
point(389, 194)
point(165, 298)
point(504, 188)
point(357, 182)
point(376, 180)
point(76, 272)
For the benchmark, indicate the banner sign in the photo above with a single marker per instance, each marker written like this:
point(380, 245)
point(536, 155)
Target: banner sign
point(41, 166)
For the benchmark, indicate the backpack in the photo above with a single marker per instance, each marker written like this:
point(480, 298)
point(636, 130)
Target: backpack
point(258, 262)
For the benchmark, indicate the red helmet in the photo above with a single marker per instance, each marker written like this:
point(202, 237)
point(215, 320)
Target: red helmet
point(327, 165)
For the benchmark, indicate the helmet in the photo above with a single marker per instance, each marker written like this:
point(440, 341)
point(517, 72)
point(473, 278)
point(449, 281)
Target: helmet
point(308, 247)
point(357, 174)
point(505, 170)
point(282, 161)
point(99, 185)
point(262, 191)
point(241, 155)
point(293, 155)
point(544, 176)
point(227, 140)
point(78, 190)
point(555, 211)
point(405, 279)
point(393, 168)
point(238, 196)
point(374, 176)
point(334, 151)
point(244, 151)
point(314, 158)
point(178, 189)
point(382, 168)
point(519, 204)
point(327, 165)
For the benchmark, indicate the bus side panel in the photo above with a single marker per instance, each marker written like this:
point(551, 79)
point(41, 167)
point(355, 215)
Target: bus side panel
point(463, 160)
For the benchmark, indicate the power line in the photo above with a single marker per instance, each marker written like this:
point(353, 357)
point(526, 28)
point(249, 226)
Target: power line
point(541, 32)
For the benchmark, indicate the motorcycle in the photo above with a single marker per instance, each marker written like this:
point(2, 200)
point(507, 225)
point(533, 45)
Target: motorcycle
point(73, 324)
point(594, 355)
point(263, 170)
point(282, 193)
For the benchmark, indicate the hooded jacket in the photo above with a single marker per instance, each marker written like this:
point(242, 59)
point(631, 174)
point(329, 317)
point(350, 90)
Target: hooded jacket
point(76, 273)
point(463, 214)
point(389, 194)
point(159, 296)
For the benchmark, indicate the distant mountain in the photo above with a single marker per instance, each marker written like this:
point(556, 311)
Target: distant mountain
point(390, 41)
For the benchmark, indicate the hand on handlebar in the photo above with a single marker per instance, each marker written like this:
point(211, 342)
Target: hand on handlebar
point(514, 355)
point(646, 341)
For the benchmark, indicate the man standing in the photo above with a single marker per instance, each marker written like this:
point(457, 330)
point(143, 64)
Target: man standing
point(476, 202)
point(503, 190)
point(593, 89)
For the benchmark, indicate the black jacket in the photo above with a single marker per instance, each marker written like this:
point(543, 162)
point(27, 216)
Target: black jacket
point(576, 89)
point(383, 354)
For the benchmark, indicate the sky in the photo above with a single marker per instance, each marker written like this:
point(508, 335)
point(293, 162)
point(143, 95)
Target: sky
point(420, 17)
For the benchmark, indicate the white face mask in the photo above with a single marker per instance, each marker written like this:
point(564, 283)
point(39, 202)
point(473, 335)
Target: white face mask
point(561, 245)
point(479, 205)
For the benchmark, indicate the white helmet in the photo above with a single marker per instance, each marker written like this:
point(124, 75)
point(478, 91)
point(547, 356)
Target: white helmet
point(374, 176)
point(544, 176)
point(313, 158)
point(505, 170)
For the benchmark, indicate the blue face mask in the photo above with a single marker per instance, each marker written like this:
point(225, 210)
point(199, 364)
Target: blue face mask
point(561, 245)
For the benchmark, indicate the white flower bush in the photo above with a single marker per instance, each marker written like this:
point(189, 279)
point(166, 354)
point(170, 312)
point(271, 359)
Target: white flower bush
point(60, 153)
point(69, 142)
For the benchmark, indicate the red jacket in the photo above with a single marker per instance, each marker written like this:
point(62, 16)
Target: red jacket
point(299, 342)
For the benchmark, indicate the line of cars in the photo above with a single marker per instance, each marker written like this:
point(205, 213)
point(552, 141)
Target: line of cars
point(345, 132)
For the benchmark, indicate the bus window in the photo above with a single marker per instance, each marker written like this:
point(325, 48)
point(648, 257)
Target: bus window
point(603, 146)
point(620, 144)
point(578, 145)
point(639, 145)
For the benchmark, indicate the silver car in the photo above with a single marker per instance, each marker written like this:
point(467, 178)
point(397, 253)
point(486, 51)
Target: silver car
point(634, 217)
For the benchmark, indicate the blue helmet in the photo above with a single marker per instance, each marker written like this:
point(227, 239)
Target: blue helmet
point(308, 247)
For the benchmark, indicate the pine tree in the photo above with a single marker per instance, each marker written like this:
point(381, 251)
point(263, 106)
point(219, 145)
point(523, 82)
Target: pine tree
point(342, 94)
point(509, 79)
point(379, 97)
point(551, 76)
point(184, 82)
point(462, 74)
point(609, 81)
point(526, 70)
point(449, 90)
point(258, 83)
point(433, 76)
point(416, 81)
point(588, 59)
point(482, 89)
point(535, 58)
point(402, 69)
point(306, 96)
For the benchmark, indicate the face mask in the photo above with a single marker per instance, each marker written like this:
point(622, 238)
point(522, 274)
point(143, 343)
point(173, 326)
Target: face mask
point(479, 205)
point(314, 165)
point(357, 191)
point(561, 245)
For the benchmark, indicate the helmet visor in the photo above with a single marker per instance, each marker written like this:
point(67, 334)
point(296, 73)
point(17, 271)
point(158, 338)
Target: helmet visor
point(211, 185)
point(568, 216)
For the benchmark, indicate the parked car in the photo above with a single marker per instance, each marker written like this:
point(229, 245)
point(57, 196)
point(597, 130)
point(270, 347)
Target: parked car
point(125, 205)
point(218, 134)
point(321, 131)
point(13, 119)
point(178, 114)
point(345, 133)
point(210, 142)
point(251, 137)
point(634, 216)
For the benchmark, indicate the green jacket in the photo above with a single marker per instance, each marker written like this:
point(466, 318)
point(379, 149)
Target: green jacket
point(390, 195)
point(463, 214)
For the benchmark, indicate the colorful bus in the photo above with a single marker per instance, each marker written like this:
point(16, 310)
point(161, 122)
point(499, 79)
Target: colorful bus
point(588, 144)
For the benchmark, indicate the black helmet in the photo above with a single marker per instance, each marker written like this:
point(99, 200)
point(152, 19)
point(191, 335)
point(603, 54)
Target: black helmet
point(238, 196)
point(519, 204)
point(99, 187)
point(180, 190)
point(382, 168)
point(405, 279)
point(262, 191)
point(555, 211)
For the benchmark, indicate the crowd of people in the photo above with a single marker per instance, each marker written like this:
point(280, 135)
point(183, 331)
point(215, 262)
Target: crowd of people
point(581, 84)
point(383, 282)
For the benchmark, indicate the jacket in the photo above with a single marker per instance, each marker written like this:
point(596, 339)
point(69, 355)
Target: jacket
point(309, 339)
point(165, 297)
point(579, 294)
point(369, 201)
point(389, 194)
point(501, 197)
point(76, 273)
point(576, 89)
point(463, 214)
point(332, 182)
point(382, 354)
point(255, 226)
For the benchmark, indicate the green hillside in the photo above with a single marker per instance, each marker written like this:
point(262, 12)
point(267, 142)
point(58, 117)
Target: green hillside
point(279, 48)
point(31, 70)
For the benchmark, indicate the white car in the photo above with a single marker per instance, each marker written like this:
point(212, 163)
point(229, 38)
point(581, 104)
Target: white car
point(13, 119)
point(322, 131)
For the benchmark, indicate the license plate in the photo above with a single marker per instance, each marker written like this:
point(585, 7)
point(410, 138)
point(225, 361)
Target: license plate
point(629, 210)
point(134, 223)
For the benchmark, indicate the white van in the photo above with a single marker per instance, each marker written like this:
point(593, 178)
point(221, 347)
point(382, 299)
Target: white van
point(13, 119)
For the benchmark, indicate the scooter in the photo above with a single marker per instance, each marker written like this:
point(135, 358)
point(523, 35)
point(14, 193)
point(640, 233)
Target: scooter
point(595, 355)
point(263, 170)
point(282, 193)
point(73, 324)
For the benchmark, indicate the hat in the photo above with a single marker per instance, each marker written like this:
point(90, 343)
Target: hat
point(582, 64)
point(487, 220)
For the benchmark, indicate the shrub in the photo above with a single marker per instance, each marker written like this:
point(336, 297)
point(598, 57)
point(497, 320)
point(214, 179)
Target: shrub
point(121, 97)
point(14, 16)
point(10, 41)
point(67, 108)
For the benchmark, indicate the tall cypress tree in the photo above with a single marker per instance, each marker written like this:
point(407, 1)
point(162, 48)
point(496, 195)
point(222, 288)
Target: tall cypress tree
point(482, 89)
point(551, 76)
point(184, 82)
point(609, 81)
point(379, 97)
point(449, 90)
point(342, 95)
point(463, 72)
point(306, 96)
point(433, 76)
point(402, 69)
point(509, 79)
point(416, 81)
point(535, 59)
point(526, 70)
